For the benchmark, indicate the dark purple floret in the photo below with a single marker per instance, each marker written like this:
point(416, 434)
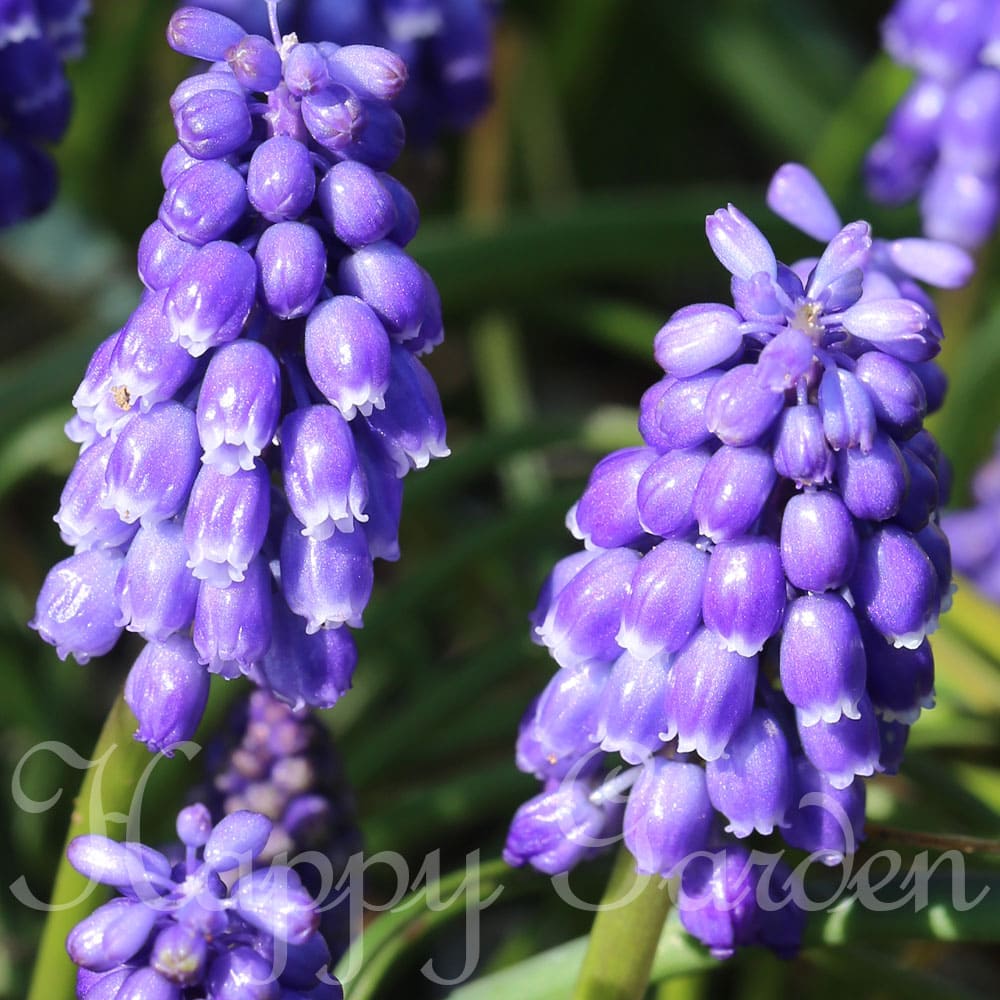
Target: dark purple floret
point(184, 930)
point(244, 435)
point(746, 623)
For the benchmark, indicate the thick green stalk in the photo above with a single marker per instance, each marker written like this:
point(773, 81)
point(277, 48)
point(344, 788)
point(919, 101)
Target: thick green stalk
point(625, 935)
point(112, 789)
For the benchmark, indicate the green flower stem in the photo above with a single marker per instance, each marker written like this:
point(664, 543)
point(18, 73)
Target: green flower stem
point(110, 789)
point(623, 940)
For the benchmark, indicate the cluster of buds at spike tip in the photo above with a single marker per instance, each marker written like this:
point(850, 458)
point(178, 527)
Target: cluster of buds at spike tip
point(746, 623)
point(244, 435)
point(942, 142)
point(36, 38)
point(446, 45)
point(281, 762)
point(210, 925)
point(974, 532)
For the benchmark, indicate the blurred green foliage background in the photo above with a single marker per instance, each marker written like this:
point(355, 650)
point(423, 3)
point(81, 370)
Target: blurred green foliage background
point(562, 232)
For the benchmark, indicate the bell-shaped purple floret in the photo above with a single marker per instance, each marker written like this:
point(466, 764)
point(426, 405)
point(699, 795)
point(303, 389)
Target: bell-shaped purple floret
point(329, 581)
point(133, 869)
point(563, 724)
point(232, 625)
point(255, 63)
point(630, 712)
point(872, 483)
point(236, 840)
point(607, 514)
point(848, 414)
point(892, 743)
point(718, 900)
point(391, 282)
point(156, 591)
point(897, 394)
point(111, 935)
point(668, 816)
point(971, 121)
point(900, 681)
point(732, 491)
point(663, 607)
point(407, 211)
point(740, 246)
point(370, 70)
point(797, 197)
point(934, 261)
point(305, 669)
point(210, 300)
point(822, 658)
point(411, 427)
point(179, 954)
point(380, 138)
point(238, 405)
point(239, 972)
point(785, 360)
point(561, 574)
point(697, 338)
point(274, 900)
point(752, 785)
point(96, 382)
point(348, 355)
point(830, 822)
point(665, 494)
point(959, 206)
point(357, 204)
point(836, 280)
point(202, 34)
point(167, 690)
point(385, 497)
point(710, 696)
point(556, 829)
point(280, 179)
point(291, 261)
point(935, 544)
point(335, 117)
point(819, 545)
point(431, 324)
point(739, 409)
point(76, 609)
point(161, 256)
point(83, 522)
point(921, 498)
point(585, 617)
point(153, 464)
point(147, 984)
point(324, 483)
point(199, 83)
point(895, 586)
point(801, 452)
point(146, 367)
point(744, 593)
point(896, 326)
point(672, 412)
point(194, 825)
point(204, 202)
point(845, 748)
point(225, 523)
point(213, 123)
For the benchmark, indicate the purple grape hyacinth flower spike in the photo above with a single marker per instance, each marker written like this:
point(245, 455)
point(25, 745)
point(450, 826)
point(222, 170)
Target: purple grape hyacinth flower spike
point(178, 930)
point(746, 624)
point(941, 144)
point(244, 435)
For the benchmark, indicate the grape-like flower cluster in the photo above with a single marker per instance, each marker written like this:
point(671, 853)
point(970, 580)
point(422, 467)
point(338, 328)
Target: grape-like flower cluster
point(942, 142)
point(36, 37)
point(746, 622)
point(446, 44)
point(244, 435)
point(281, 762)
point(205, 927)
